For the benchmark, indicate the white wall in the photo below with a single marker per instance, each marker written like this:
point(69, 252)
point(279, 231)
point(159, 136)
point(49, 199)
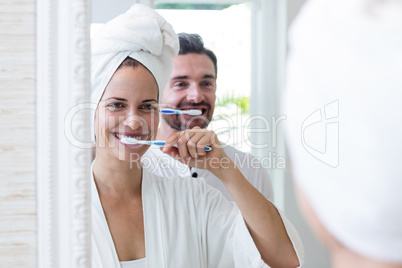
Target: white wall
point(17, 128)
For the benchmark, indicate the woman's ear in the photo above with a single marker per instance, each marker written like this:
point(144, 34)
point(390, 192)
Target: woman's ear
point(93, 153)
point(95, 127)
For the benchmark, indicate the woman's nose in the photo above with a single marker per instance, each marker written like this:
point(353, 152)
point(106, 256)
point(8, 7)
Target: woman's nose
point(133, 121)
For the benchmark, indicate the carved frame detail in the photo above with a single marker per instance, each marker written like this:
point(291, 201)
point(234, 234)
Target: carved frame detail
point(63, 176)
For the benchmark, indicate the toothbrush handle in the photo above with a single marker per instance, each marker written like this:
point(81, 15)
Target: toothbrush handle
point(169, 111)
point(162, 143)
point(157, 143)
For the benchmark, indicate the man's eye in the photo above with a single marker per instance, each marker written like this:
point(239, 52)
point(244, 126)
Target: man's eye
point(207, 84)
point(179, 84)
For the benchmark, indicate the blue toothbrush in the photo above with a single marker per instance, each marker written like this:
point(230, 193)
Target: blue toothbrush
point(173, 111)
point(128, 140)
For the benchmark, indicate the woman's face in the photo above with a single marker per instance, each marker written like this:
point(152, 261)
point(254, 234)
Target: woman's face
point(128, 108)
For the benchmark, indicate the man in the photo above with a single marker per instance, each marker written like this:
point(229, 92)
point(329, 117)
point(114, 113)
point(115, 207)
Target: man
point(192, 85)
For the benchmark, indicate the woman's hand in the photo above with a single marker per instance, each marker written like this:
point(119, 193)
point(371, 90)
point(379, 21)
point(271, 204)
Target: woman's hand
point(191, 150)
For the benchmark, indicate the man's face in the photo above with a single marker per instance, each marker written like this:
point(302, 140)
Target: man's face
point(192, 85)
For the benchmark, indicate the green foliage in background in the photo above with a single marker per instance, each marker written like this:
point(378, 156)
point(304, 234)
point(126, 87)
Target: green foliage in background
point(231, 106)
point(192, 6)
point(242, 103)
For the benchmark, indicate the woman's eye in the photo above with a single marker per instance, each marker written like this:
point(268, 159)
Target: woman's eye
point(116, 105)
point(148, 107)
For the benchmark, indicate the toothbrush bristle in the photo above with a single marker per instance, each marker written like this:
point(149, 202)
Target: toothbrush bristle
point(194, 112)
point(129, 140)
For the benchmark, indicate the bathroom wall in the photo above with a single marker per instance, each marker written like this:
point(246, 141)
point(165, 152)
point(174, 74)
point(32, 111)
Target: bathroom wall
point(17, 134)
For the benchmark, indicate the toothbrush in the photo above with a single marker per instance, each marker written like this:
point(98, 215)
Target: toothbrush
point(189, 112)
point(128, 140)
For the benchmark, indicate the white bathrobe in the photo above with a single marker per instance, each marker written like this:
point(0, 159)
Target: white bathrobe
point(187, 224)
point(249, 165)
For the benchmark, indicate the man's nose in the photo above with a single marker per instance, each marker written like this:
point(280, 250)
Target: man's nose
point(194, 94)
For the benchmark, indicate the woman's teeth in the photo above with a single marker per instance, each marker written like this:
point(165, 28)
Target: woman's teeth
point(120, 136)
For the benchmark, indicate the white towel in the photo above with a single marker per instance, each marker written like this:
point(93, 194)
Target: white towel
point(344, 125)
point(140, 33)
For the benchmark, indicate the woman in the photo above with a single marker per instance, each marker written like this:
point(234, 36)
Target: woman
point(344, 83)
point(141, 219)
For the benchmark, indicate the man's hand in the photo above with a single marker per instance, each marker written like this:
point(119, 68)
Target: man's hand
point(191, 150)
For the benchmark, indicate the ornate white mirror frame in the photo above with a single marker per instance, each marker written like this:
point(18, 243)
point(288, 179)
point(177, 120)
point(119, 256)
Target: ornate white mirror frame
point(63, 81)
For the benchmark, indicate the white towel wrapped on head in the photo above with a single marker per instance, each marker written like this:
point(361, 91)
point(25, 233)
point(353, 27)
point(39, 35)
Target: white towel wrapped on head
point(140, 33)
point(344, 92)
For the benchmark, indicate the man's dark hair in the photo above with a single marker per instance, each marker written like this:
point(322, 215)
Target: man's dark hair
point(193, 43)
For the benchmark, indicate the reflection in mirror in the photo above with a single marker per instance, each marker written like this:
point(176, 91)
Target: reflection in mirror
point(125, 88)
